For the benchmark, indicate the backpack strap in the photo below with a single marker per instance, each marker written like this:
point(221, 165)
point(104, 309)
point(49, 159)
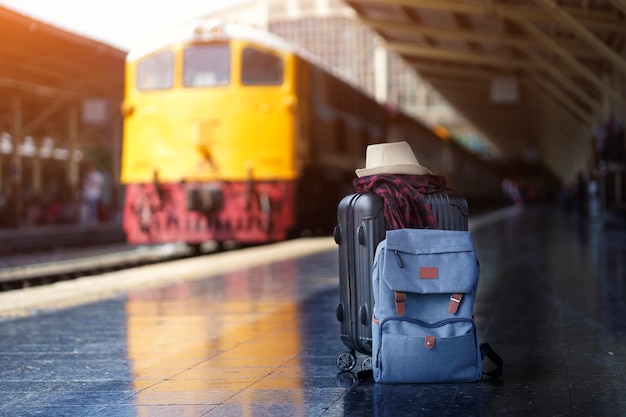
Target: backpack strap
point(487, 351)
point(400, 302)
point(455, 301)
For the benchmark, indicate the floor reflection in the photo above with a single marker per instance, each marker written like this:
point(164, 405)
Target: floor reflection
point(263, 341)
point(204, 342)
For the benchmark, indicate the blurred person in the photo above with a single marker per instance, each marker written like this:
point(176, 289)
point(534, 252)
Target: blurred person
point(4, 209)
point(93, 185)
point(613, 144)
point(581, 193)
point(511, 191)
point(34, 212)
point(52, 211)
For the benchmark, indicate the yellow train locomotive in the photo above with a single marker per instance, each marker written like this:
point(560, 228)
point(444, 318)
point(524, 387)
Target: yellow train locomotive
point(232, 134)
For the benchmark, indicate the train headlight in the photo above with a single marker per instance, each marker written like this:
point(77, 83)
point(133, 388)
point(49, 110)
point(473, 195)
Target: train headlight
point(127, 108)
point(211, 30)
point(290, 102)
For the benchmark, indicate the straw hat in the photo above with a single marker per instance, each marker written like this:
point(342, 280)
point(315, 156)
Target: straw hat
point(391, 158)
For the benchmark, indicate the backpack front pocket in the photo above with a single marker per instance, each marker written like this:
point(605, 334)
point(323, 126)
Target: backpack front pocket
point(412, 351)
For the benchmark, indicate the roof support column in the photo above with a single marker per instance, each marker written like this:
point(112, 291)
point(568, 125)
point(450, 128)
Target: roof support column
point(72, 164)
point(16, 164)
point(37, 177)
point(381, 76)
point(116, 155)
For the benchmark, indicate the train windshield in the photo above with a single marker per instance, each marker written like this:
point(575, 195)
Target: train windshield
point(261, 68)
point(156, 72)
point(206, 65)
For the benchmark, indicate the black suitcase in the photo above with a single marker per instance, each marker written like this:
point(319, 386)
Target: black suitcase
point(360, 228)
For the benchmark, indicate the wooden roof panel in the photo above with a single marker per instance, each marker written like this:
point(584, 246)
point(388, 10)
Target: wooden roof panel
point(567, 57)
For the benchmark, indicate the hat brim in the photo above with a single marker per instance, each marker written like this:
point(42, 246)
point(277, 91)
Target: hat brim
point(405, 169)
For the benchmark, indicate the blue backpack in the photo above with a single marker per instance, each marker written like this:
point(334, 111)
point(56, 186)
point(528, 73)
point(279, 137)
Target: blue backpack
point(424, 287)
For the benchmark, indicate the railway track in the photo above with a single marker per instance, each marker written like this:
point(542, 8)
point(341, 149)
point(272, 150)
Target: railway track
point(36, 268)
point(48, 237)
point(29, 270)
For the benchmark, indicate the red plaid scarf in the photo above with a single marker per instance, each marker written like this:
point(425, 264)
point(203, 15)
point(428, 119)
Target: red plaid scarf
point(405, 205)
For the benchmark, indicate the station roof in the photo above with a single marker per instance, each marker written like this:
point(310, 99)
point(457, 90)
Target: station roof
point(534, 76)
point(45, 71)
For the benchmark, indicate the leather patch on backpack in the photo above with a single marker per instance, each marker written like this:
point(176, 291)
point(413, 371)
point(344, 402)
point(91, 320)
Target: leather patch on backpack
point(429, 342)
point(429, 272)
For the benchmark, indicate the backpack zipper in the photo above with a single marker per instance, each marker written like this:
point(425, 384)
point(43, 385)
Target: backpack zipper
point(400, 263)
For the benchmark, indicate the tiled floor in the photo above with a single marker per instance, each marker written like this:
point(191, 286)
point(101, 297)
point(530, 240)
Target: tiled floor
point(262, 340)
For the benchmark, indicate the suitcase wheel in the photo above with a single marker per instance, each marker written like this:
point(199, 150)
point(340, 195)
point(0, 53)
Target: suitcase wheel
point(346, 361)
point(367, 364)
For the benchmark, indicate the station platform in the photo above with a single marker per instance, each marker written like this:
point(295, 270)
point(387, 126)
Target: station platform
point(253, 333)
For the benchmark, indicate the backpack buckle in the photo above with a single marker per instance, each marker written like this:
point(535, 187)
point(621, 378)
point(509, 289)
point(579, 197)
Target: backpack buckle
point(455, 301)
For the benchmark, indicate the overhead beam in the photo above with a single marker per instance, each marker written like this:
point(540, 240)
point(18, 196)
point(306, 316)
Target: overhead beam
point(461, 73)
point(595, 20)
point(563, 99)
point(464, 35)
point(42, 116)
point(565, 18)
point(619, 5)
point(463, 86)
point(38, 89)
point(566, 75)
point(467, 57)
point(568, 84)
point(570, 60)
